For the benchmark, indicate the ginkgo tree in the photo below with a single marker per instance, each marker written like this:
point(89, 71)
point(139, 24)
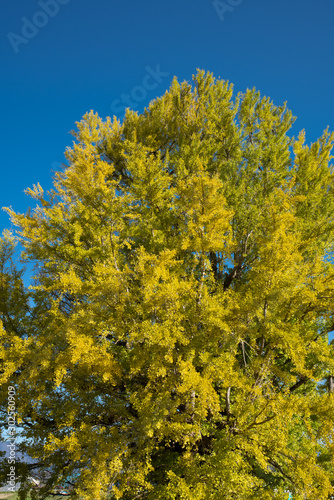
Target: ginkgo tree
point(174, 343)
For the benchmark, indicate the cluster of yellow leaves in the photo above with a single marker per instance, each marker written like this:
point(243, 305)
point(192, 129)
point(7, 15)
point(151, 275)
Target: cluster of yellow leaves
point(176, 346)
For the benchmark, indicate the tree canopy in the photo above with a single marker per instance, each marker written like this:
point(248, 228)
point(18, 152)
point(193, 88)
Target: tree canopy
point(174, 343)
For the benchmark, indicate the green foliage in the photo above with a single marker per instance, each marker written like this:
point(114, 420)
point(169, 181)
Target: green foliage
point(178, 334)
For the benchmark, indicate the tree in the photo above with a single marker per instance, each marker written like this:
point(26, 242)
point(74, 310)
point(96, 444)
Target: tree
point(176, 343)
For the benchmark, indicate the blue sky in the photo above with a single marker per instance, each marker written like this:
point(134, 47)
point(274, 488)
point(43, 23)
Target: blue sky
point(61, 58)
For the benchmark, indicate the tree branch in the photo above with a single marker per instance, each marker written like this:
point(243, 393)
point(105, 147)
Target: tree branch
point(302, 381)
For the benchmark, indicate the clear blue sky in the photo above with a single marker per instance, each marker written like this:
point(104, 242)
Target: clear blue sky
point(61, 58)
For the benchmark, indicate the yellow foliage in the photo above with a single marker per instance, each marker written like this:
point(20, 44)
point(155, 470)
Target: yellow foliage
point(174, 341)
